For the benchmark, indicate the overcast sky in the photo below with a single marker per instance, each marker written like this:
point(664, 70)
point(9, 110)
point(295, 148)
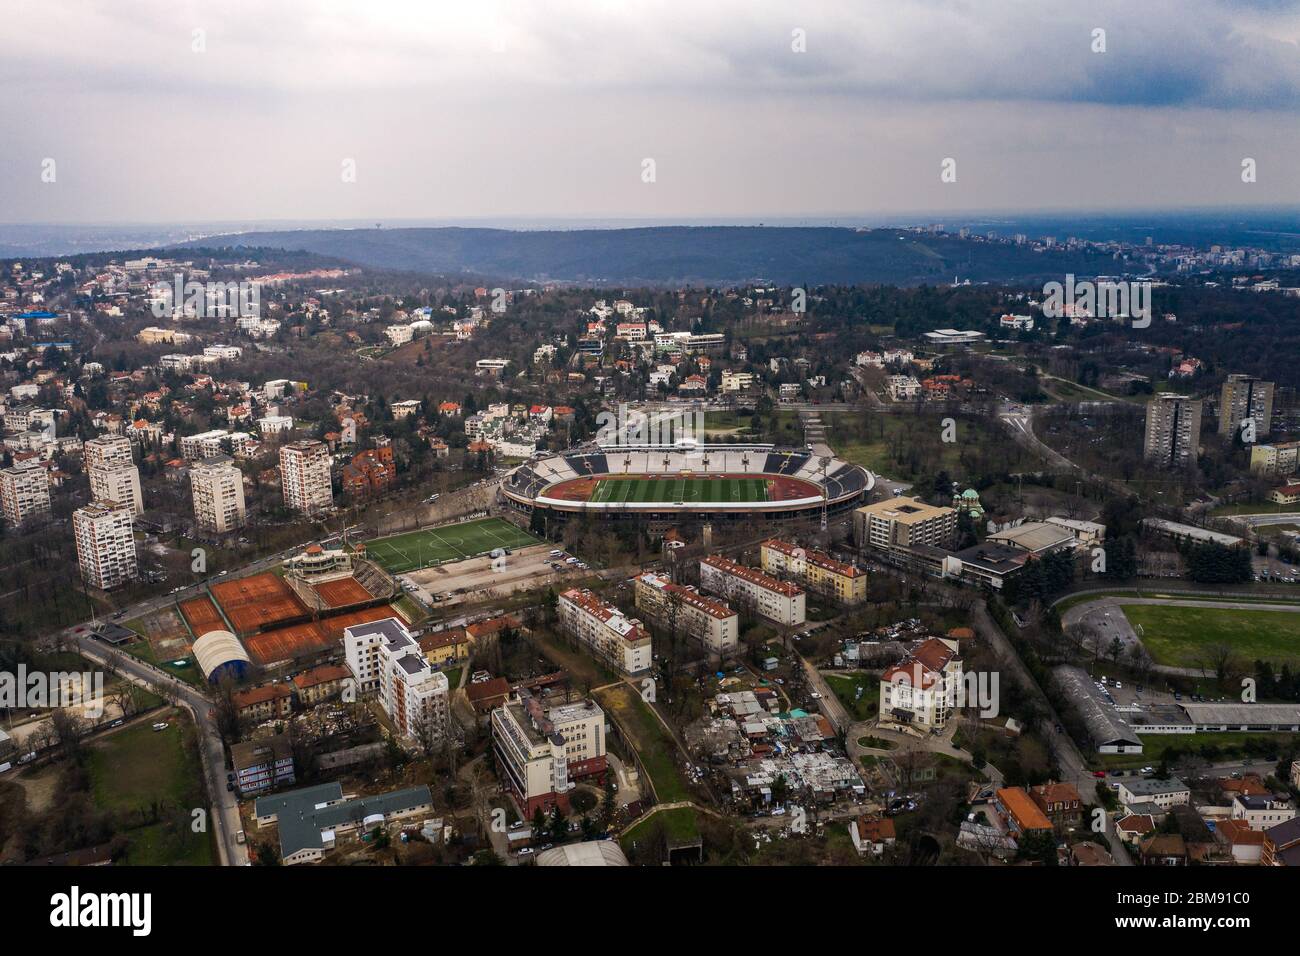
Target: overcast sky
point(549, 108)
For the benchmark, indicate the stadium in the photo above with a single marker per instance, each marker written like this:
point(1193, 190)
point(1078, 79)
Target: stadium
point(666, 484)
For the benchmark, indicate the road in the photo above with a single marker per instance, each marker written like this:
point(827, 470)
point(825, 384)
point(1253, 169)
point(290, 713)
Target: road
point(224, 816)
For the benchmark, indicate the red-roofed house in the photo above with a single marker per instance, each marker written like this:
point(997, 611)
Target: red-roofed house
point(920, 691)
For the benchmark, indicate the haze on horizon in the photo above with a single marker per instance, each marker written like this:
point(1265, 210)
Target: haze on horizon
point(520, 109)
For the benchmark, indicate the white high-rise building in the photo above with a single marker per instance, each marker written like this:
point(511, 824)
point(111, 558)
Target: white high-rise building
point(112, 471)
point(105, 543)
point(24, 492)
point(218, 490)
point(305, 476)
point(386, 661)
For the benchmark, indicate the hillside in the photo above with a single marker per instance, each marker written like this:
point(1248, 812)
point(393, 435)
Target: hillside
point(680, 255)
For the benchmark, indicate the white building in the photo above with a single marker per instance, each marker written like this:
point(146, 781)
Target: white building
point(619, 641)
point(203, 445)
point(778, 601)
point(112, 471)
point(305, 476)
point(399, 334)
point(24, 492)
point(386, 660)
point(736, 381)
point(903, 388)
point(541, 751)
point(921, 690)
point(1260, 812)
point(217, 487)
point(275, 424)
point(710, 623)
point(105, 543)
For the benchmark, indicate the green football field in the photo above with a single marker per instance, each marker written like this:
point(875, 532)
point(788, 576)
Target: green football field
point(1188, 636)
point(680, 490)
point(455, 542)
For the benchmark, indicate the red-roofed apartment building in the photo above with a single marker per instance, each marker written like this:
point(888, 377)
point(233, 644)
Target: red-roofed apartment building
point(920, 691)
point(371, 472)
point(1020, 812)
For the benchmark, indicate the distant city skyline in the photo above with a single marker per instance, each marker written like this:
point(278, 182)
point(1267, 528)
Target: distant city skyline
point(244, 111)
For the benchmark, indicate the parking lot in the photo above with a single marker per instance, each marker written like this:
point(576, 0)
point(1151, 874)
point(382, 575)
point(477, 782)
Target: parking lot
point(484, 578)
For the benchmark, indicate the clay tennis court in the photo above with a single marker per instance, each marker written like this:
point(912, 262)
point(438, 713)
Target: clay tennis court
point(310, 637)
point(342, 592)
point(202, 616)
point(257, 601)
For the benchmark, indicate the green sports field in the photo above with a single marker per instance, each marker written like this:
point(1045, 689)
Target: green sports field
point(453, 542)
point(684, 490)
point(1186, 636)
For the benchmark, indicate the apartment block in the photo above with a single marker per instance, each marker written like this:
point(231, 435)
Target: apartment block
point(217, 488)
point(542, 751)
point(1282, 458)
point(904, 523)
point(262, 765)
point(1245, 397)
point(305, 476)
point(208, 444)
point(24, 492)
point(621, 642)
point(385, 659)
point(1173, 430)
point(105, 543)
point(816, 570)
point(710, 623)
point(778, 601)
point(112, 479)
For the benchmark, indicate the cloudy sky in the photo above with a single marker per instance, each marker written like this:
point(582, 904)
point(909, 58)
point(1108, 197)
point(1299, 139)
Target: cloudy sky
point(166, 110)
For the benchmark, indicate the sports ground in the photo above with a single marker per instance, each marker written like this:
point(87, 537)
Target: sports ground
point(421, 549)
point(1188, 636)
point(684, 490)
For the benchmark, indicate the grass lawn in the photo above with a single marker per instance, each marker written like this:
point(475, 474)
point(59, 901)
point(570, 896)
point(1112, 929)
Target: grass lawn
point(139, 770)
point(680, 489)
point(657, 750)
point(188, 672)
point(422, 549)
point(1154, 747)
point(1187, 636)
point(846, 687)
point(453, 676)
point(681, 826)
point(1254, 508)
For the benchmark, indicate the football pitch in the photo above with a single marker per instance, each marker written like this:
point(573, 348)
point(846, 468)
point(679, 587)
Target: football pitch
point(680, 490)
point(422, 549)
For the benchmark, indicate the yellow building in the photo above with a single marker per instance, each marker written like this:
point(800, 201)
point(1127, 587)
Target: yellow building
point(817, 570)
point(320, 683)
point(446, 647)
